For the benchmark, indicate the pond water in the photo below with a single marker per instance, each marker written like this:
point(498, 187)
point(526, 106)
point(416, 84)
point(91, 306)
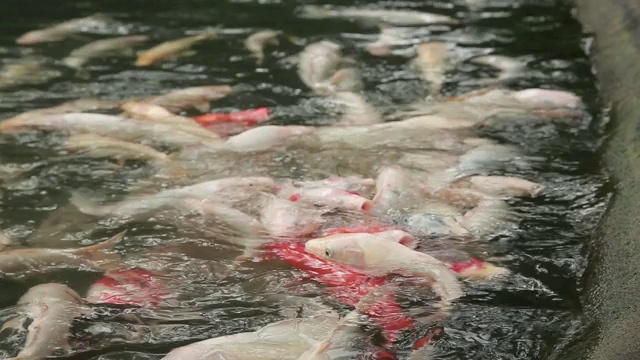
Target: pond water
point(525, 315)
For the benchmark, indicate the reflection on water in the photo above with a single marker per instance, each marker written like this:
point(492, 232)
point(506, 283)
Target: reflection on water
point(204, 291)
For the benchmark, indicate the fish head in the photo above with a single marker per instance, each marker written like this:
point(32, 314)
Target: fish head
point(36, 37)
point(341, 248)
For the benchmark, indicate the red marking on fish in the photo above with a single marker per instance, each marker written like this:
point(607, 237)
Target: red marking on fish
point(250, 117)
point(466, 265)
point(347, 284)
point(127, 285)
point(294, 197)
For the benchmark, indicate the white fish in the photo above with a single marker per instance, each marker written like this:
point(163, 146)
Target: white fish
point(392, 17)
point(139, 204)
point(318, 62)
point(380, 257)
point(283, 340)
point(51, 307)
point(25, 262)
point(63, 30)
point(113, 47)
point(433, 61)
point(264, 137)
point(256, 42)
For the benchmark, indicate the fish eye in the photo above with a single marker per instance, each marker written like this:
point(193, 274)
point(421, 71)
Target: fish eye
point(328, 252)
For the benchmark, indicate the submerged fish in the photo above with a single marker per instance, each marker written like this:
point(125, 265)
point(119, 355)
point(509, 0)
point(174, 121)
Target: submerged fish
point(112, 126)
point(129, 286)
point(26, 71)
point(50, 308)
point(380, 256)
point(139, 204)
point(198, 97)
point(510, 68)
point(118, 46)
point(172, 49)
point(318, 62)
point(26, 262)
point(433, 61)
point(91, 145)
point(387, 16)
point(283, 340)
point(63, 30)
point(256, 42)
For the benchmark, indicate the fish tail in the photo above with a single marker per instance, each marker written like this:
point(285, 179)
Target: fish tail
point(97, 251)
point(313, 12)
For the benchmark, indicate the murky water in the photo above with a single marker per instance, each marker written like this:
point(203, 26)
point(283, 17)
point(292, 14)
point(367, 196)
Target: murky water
point(523, 316)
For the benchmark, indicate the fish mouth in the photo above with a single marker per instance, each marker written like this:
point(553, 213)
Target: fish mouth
point(314, 247)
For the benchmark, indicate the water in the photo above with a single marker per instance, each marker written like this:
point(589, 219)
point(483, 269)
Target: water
point(525, 316)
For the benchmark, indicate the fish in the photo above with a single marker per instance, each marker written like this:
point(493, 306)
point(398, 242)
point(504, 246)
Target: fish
point(197, 97)
point(137, 287)
point(264, 137)
point(26, 71)
point(357, 111)
point(379, 256)
point(158, 114)
point(51, 308)
point(282, 340)
point(285, 219)
point(348, 284)
point(346, 183)
point(112, 126)
point(432, 225)
point(28, 262)
point(546, 98)
point(140, 204)
point(510, 68)
point(433, 61)
point(347, 79)
point(5, 240)
point(63, 30)
point(502, 186)
point(489, 217)
point(380, 16)
point(112, 47)
point(172, 49)
point(318, 62)
point(256, 43)
point(96, 146)
point(331, 197)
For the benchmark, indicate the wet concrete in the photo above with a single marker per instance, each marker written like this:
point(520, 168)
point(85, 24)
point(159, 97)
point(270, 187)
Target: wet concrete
point(613, 282)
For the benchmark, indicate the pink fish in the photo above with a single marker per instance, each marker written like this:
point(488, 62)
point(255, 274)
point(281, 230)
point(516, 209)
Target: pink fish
point(131, 287)
point(250, 117)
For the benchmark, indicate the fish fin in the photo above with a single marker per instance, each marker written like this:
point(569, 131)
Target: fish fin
point(202, 106)
point(105, 245)
point(86, 206)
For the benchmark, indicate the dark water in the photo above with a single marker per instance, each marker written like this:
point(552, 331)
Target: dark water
point(526, 316)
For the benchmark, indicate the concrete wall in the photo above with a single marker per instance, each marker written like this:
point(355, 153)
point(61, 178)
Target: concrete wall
point(613, 280)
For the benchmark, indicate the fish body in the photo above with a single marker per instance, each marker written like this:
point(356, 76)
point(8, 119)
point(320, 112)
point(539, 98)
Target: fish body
point(26, 71)
point(285, 219)
point(433, 61)
point(256, 42)
point(357, 111)
point(63, 30)
point(111, 126)
point(198, 97)
point(118, 46)
point(380, 256)
point(264, 137)
point(392, 17)
point(333, 198)
point(318, 62)
point(51, 307)
point(136, 205)
point(25, 262)
point(283, 340)
point(171, 49)
point(129, 286)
